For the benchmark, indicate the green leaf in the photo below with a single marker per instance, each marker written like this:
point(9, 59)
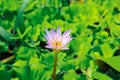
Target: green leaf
point(71, 75)
point(46, 75)
point(27, 72)
point(34, 60)
point(30, 6)
point(37, 68)
point(3, 73)
point(37, 71)
point(107, 50)
point(57, 23)
point(6, 35)
point(3, 47)
point(81, 27)
point(19, 20)
point(81, 44)
point(24, 71)
point(31, 43)
point(34, 33)
point(115, 30)
point(100, 76)
point(64, 11)
point(48, 59)
point(26, 31)
point(23, 53)
point(84, 62)
point(11, 6)
point(107, 7)
point(61, 57)
point(21, 36)
point(113, 62)
point(68, 65)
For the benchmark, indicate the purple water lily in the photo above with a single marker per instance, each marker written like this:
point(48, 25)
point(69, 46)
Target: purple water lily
point(56, 41)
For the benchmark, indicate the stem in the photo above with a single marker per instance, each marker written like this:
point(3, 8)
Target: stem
point(8, 59)
point(54, 68)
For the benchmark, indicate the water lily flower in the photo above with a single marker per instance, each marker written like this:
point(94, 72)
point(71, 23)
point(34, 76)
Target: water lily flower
point(56, 40)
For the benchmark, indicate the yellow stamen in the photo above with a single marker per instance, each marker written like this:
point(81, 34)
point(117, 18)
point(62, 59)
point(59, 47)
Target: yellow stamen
point(57, 44)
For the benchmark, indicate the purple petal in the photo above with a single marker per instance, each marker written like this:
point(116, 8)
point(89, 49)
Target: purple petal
point(48, 40)
point(54, 35)
point(49, 46)
point(67, 40)
point(49, 35)
point(70, 39)
point(53, 32)
point(46, 37)
point(66, 34)
point(59, 31)
point(58, 34)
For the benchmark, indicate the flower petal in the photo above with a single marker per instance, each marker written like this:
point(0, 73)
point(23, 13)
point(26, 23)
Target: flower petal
point(66, 40)
point(58, 34)
point(46, 37)
point(65, 48)
point(54, 35)
point(66, 34)
point(49, 35)
point(49, 46)
point(48, 40)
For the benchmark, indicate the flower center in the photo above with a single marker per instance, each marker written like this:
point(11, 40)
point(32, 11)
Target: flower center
point(57, 44)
